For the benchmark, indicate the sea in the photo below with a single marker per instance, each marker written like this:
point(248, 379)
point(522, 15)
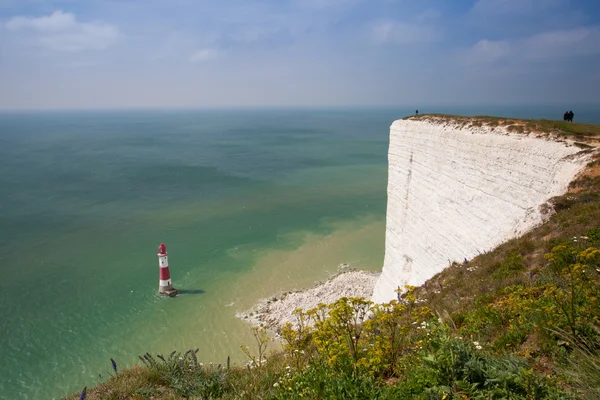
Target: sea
point(249, 202)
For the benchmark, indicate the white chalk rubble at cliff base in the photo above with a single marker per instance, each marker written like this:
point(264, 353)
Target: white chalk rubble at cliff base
point(274, 313)
point(456, 191)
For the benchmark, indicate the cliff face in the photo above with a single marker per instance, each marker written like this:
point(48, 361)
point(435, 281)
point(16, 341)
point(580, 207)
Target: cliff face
point(455, 191)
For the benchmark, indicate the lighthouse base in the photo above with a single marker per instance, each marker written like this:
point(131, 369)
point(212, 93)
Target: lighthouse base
point(171, 292)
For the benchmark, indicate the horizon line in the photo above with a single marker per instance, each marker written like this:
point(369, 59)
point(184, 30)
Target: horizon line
point(291, 107)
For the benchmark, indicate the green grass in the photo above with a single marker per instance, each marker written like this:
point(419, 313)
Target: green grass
point(575, 130)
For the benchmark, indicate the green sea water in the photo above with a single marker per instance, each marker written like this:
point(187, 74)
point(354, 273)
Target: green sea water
point(249, 203)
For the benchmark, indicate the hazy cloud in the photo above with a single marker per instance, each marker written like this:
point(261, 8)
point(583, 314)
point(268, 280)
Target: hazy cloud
point(55, 22)
point(398, 32)
point(203, 55)
point(77, 64)
point(326, 3)
point(61, 31)
point(562, 43)
point(541, 46)
point(486, 52)
point(259, 35)
point(515, 7)
point(295, 52)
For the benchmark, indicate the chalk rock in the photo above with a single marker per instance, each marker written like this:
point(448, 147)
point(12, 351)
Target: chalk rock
point(455, 191)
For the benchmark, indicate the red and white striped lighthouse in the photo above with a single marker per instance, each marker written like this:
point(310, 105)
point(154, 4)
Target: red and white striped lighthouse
point(164, 285)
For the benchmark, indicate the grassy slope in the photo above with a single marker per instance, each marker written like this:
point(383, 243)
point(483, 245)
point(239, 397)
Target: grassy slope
point(461, 295)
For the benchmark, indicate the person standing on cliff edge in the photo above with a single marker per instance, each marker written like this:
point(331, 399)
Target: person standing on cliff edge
point(417, 112)
point(568, 116)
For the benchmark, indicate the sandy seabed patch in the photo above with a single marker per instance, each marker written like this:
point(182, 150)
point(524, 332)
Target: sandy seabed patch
point(276, 311)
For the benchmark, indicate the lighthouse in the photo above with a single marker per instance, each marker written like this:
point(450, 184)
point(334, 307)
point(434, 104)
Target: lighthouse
point(164, 284)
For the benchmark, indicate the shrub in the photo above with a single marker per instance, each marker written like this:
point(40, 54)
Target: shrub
point(185, 376)
point(575, 288)
point(512, 264)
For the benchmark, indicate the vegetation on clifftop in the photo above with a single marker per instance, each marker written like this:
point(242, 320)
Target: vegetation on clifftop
point(543, 127)
point(519, 322)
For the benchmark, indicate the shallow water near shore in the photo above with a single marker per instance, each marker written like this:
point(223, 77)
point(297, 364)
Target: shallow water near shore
point(249, 203)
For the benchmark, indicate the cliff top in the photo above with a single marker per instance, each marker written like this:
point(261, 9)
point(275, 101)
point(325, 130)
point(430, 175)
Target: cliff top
point(567, 130)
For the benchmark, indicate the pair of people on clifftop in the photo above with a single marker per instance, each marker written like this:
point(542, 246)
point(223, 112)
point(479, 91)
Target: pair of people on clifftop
point(568, 116)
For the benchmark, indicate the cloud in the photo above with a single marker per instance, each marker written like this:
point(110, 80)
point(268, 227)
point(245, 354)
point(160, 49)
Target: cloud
point(354, 48)
point(487, 52)
point(203, 55)
point(403, 32)
point(77, 64)
point(61, 31)
point(265, 34)
point(539, 47)
point(562, 43)
point(326, 3)
point(57, 21)
point(427, 16)
point(514, 7)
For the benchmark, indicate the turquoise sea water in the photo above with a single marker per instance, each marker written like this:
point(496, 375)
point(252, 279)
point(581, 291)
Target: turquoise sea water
point(248, 202)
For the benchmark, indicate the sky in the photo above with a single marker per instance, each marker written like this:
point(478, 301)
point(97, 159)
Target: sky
point(70, 54)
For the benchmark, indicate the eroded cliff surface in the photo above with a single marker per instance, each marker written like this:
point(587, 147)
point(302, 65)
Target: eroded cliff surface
point(456, 190)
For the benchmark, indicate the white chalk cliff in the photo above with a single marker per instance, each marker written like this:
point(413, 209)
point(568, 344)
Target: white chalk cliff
point(455, 191)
